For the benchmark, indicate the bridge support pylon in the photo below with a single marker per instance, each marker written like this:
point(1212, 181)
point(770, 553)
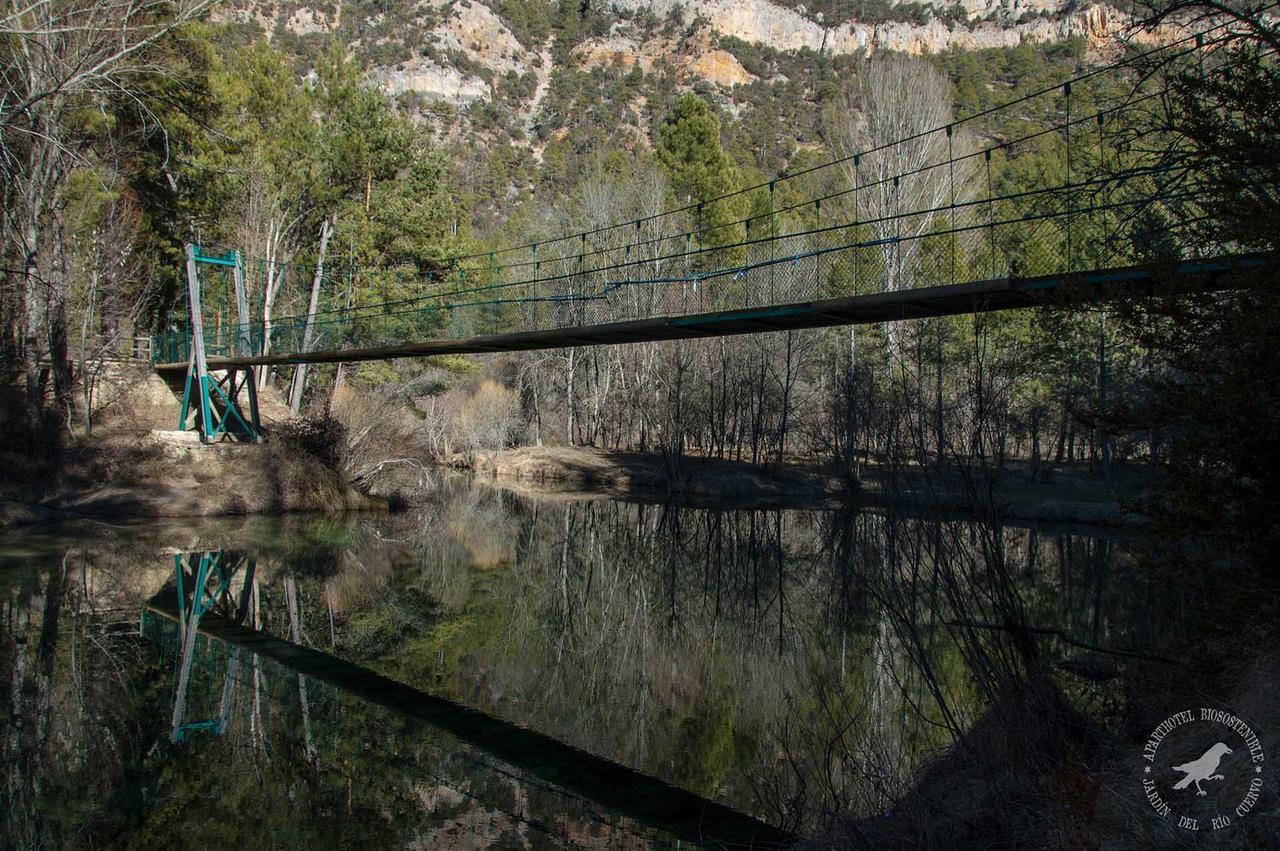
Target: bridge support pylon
point(212, 405)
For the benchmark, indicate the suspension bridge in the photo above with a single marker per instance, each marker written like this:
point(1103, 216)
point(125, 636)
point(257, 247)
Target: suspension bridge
point(931, 225)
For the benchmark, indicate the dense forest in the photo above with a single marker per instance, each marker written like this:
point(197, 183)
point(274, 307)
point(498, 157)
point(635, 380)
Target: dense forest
point(239, 143)
point(185, 130)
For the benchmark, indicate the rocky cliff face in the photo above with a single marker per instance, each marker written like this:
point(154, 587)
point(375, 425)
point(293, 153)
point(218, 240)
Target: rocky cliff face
point(522, 96)
point(465, 45)
point(1001, 23)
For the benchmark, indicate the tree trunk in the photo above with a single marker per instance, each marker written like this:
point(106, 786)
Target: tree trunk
point(300, 372)
point(30, 338)
point(940, 436)
point(1102, 397)
point(86, 376)
point(569, 402)
point(58, 354)
point(787, 386)
point(337, 386)
point(851, 412)
point(268, 303)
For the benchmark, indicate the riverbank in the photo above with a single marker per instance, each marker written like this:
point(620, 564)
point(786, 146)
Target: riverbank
point(154, 478)
point(134, 467)
point(1053, 494)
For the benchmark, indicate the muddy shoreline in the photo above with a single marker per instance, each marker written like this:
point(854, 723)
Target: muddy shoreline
point(1053, 494)
point(154, 480)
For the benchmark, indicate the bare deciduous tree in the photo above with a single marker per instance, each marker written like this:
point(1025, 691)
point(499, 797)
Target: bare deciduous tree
point(890, 129)
point(56, 59)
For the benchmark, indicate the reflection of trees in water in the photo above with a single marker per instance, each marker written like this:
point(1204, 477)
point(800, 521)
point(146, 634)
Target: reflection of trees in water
point(937, 613)
point(795, 663)
point(336, 770)
point(87, 759)
point(70, 702)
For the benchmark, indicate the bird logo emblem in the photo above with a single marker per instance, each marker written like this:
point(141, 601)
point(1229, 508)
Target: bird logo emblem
point(1239, 782)
point(1202, 769)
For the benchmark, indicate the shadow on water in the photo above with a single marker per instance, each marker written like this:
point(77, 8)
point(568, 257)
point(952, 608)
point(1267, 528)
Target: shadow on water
point(491, 668)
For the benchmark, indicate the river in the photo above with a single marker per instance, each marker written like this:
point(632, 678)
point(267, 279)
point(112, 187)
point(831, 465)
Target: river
point(495, 669)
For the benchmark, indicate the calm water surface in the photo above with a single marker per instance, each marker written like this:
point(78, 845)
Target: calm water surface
point(794, 666)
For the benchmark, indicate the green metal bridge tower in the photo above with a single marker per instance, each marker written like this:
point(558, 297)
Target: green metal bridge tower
point(210, 404)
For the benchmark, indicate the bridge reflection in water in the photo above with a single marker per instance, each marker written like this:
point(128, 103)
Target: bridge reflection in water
point(321, 716)
point(727, 651)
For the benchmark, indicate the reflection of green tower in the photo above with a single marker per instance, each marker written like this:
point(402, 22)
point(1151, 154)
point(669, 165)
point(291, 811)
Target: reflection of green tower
point(203, 583)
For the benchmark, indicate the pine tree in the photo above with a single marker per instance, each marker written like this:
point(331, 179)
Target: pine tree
point(700, 170)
